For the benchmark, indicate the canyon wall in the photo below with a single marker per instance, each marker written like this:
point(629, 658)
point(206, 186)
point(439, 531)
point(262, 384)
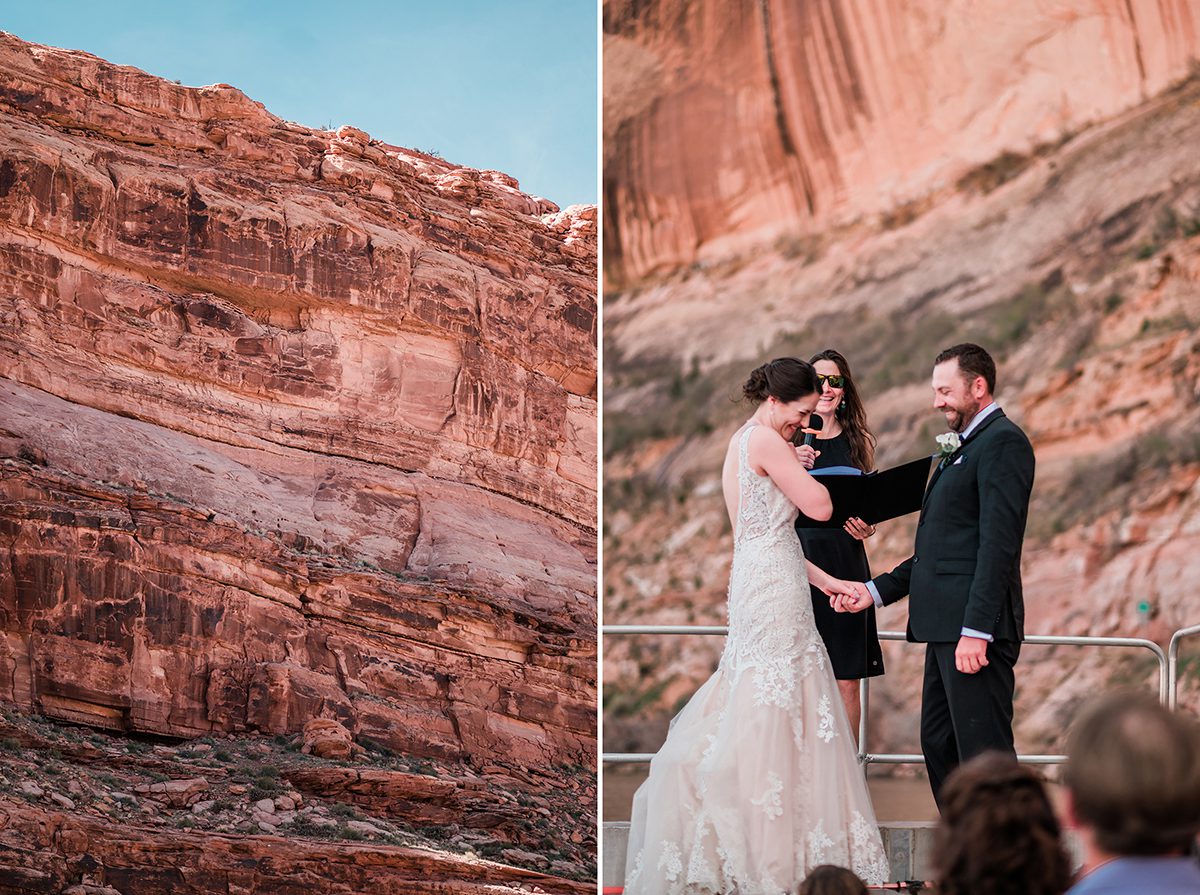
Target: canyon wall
point(727, 124)
point(296, 424)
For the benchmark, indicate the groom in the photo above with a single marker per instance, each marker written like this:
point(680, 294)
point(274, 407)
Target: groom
point(965, 572)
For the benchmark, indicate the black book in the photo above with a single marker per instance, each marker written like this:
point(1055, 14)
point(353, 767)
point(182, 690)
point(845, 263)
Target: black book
point(874, 497)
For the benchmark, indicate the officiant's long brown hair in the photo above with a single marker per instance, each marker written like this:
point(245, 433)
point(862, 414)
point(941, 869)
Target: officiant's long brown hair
point(852, 416)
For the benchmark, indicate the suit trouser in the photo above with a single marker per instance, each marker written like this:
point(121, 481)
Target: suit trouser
point(963, 715)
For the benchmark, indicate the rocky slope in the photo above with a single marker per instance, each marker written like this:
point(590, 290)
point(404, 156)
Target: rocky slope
point(296, 424)
point(91, 814)
point(1077, 264)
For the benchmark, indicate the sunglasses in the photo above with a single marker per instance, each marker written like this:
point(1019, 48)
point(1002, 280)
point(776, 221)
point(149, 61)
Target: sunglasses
point(835, 381)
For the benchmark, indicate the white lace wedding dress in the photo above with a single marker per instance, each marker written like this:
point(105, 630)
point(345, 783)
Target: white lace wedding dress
point(758, 781)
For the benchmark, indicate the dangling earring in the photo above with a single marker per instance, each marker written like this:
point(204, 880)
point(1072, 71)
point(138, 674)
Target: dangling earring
point(842, 406)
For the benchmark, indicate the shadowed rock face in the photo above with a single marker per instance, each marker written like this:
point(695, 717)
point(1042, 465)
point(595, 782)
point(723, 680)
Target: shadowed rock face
point(727, 125)
point(297, 424)
point(135, 613)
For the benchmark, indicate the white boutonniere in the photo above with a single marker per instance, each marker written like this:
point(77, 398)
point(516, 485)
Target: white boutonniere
point(948, 443)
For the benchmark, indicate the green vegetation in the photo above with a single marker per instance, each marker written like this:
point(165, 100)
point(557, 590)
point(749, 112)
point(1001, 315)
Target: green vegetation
point(793, 247)
point(678, 403)
point(421, 766)
point(265, 789)
point(1110, 481)
point(263, 780)
point(905, 214)
point(1170, 224)
point(990, 175)
point(375, 748)
point(625, 704)
point(890, 350)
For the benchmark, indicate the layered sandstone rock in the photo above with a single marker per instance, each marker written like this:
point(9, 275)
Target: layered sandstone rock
point(729, 124)
point(297, 424)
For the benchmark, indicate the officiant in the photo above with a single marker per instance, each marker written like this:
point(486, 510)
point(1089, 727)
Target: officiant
point(843, 439)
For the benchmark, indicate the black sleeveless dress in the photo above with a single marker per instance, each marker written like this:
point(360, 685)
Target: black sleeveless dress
point(850, 637)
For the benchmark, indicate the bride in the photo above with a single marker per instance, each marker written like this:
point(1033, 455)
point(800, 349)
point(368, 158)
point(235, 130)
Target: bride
point(758, 781)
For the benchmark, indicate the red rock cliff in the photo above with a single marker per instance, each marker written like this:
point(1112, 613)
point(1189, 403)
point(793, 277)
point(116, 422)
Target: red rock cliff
point(297, 423)
point(729, 123)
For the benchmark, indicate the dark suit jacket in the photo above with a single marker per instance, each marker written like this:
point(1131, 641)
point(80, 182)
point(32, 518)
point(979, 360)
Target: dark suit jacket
point(965, 570)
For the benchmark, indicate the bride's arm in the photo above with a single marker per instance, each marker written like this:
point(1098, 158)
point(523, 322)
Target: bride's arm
point(845, 596)
point(778, 459)
point(822, 580)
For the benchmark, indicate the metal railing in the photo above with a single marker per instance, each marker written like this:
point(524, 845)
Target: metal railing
point(1166, 682)
point(1173, 663)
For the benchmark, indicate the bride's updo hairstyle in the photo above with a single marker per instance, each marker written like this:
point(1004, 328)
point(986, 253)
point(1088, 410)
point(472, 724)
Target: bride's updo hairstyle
point(784, 379)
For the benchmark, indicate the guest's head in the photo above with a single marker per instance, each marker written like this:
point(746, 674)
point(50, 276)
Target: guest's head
point(998, 834)
point(964, 380)
point(1133, 777)
point(830, 880)
point(840, 398)
point(788, 386)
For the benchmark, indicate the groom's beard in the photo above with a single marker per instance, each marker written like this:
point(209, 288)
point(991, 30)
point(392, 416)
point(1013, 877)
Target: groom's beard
point(959, 418)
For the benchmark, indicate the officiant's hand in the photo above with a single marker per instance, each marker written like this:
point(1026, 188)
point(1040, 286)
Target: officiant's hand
point(971, 654)
point(854, 598)
point(807, 455)
point(856, 528)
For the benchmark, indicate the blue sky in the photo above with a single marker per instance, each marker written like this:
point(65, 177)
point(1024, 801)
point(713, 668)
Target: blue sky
point(508, 85)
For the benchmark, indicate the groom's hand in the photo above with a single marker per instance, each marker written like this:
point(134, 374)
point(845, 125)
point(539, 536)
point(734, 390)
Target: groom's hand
point(855, 597)
point(971, 654)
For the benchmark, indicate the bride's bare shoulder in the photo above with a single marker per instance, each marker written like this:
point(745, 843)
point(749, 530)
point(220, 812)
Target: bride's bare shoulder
point(762, 436)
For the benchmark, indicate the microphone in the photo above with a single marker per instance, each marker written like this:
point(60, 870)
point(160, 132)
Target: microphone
point(814, 422)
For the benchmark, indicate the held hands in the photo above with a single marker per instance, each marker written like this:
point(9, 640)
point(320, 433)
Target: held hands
point(971, 654)
point(856, 528)
point(849, 596)
point(844, 596)
point(807, 455)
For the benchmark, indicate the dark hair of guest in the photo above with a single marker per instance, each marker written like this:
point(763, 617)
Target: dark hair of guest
point(972, 361)
point(1133, 771)
point(784, 379)
point(828, 879)
point(998, 834)
point(854, 416)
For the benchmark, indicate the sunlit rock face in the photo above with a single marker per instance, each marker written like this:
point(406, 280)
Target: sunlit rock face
point(728, 123)
point(297, 424)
